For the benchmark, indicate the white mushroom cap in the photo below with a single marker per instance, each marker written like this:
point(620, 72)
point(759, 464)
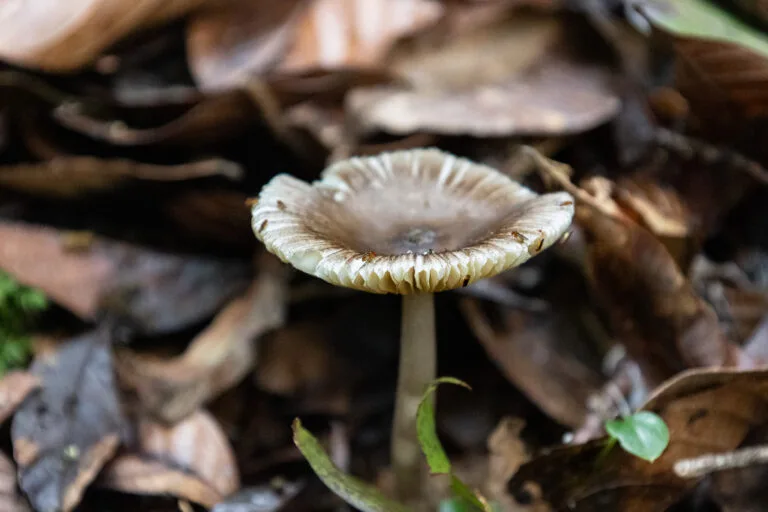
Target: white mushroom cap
point(407, 222)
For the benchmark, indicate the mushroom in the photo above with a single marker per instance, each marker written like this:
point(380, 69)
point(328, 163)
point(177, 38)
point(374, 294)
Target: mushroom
point(412, 223)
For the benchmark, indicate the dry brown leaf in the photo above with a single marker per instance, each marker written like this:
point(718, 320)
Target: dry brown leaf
point(190, 460)
point(661, 211)
point(242, 38)
point(532, 352)
point(239, 39)
point(73, 176)
point(213, 118)
point(733, 73)
point(152, 289)
point(14, 388)
point(500, 78)
point(65, 36)
point(665, 326)
point(212, 215)
point(64, 434)
point(706, 410)
point(281, 372)
point(217, 358)
point(10, 500)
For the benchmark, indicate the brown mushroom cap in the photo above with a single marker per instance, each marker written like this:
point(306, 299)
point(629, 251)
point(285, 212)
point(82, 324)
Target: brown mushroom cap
point(407, 222)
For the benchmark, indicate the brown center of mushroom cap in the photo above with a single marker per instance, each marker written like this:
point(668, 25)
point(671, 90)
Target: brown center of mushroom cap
point(411, 219)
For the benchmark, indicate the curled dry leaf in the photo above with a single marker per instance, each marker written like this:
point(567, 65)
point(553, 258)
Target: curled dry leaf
point(212, 119)
point(503, 78)
point(191, 460)
point(66, 36)
point(14, 388)
point(706, 410)
point(535, 353)
point(64, 433)
point(74, 176)
point(217, 358)
point(158, 292)
point(661, 211)
point(718, 52)
point(10, 500)
point(665, 326)
point(234, 42)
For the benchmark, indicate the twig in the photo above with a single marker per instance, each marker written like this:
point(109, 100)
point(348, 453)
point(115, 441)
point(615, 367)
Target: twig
point(710, 463)
point(690, 148)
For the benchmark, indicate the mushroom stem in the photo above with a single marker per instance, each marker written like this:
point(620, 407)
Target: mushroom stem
point(418, 362)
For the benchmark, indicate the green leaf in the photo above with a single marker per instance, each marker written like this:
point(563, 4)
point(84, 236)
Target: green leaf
point(702, 19)
point(644, 434)
point(352, 490)
point(437, 459)
point(466, 495)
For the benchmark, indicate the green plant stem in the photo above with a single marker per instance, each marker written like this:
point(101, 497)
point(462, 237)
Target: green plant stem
point(418, 368)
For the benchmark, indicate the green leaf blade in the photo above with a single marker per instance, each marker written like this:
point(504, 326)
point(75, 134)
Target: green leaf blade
point(644, 434)
point(705, 20)
point(426, 429)
point(352, 490)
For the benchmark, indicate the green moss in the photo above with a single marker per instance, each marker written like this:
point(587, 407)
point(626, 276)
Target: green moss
point(19, 305)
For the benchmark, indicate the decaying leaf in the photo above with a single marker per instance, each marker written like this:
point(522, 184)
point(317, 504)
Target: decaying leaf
point(14, 388)
point(68, 36)
point(664, 325)
point(507, 77)
point(231, 43)
point(217, 358)
point(10, 499)
point(74, 176)
point(158, 292)
point(706, 410)
point(64, 433)
point(191, 460)
point(214, 118)
point(720, 51)
point(532, 352)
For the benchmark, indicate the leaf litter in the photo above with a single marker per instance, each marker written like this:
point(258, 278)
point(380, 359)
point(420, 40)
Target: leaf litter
point(173, 353)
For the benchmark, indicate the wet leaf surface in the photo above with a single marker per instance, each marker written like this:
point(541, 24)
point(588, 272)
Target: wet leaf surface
point(64, 433)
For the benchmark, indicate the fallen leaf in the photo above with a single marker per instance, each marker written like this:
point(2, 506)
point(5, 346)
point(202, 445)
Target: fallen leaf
point(664, 325)
point(158, 292)
point(14, 388)
point(212, 119)
point(239, 39)
point(64, 433)
point(73, 176)
point(242, 39)
point(10, 500)
point(280, 372)
point(212, 215)
point(190, 460)
point(720, 50)
point(706, 410)
point(69, 36)
point(535, 352)
point(218, 357)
